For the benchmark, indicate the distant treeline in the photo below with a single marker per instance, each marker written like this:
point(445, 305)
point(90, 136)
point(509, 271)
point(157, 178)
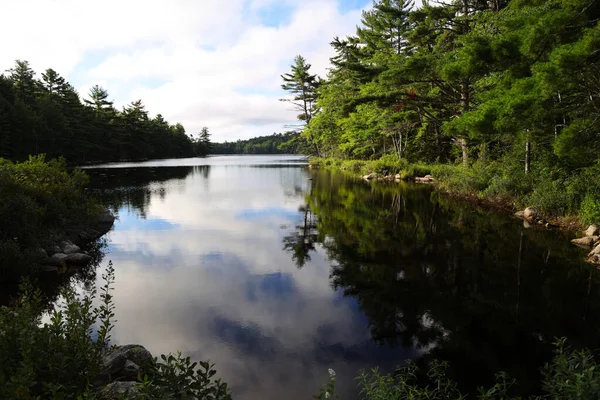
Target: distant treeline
point(48, 116)
point(277, 143)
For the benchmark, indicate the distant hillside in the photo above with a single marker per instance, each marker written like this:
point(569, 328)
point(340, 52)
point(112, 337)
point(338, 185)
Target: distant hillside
point(277, 143)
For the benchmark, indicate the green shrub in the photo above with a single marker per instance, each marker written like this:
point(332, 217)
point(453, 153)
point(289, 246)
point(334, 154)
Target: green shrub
point(61, 359)
point(550, 197)
point(389, 164)
point(570, 375)
point(589, 212)
point(356, 166)
point(38, 200)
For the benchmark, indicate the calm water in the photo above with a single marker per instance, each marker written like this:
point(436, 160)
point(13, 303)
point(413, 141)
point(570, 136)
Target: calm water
point(276, 278)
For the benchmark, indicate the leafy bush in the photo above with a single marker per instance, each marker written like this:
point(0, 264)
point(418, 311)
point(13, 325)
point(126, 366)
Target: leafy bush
point(550, 197)
point(61, 359)
point(356, 166)
point(572, 374)
point(38, 199)
point(389, 164)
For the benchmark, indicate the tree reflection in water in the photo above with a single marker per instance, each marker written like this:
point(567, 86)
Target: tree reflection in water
point(459, 283)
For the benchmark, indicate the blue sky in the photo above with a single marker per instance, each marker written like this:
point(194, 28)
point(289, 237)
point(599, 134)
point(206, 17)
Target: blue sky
point(197, 62)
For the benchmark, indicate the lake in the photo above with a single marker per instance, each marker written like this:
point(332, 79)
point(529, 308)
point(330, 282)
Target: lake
point(277, 273)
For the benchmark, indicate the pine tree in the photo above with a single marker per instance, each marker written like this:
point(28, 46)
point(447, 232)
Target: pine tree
point(303, 86)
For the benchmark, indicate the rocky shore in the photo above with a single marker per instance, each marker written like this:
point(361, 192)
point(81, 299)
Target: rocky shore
point(68, 252)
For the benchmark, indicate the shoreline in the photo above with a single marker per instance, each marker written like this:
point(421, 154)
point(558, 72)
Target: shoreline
point(569, 225)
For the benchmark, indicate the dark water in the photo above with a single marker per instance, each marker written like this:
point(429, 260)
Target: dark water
point(276, 278)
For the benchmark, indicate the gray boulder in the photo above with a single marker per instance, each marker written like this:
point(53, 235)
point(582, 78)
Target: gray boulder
point(592, 230)
point(70, 248)
point(117, 390)
point(78, 259)
point(53, 249)
point(57, 259)
point(369, 177)
point(39, 255)
point(116, 363)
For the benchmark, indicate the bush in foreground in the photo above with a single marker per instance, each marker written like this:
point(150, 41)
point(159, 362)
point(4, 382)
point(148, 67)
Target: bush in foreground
point(62, 358)
point(571, 375)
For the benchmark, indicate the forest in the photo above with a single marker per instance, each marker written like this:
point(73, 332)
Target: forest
point(505, 92)
point(277, 143)
point(48, 116)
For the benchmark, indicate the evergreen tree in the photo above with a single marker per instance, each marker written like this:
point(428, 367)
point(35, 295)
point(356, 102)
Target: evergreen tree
point(302, 85)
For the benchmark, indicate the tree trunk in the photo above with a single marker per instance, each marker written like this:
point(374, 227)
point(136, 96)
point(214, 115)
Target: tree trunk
point(527, 156)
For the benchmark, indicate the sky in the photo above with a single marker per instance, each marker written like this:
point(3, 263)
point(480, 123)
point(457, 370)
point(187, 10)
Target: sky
point(201, 63)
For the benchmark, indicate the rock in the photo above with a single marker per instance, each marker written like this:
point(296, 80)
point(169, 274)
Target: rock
point(369, 177)
point(595, 251)
point(389, 178)
point(398, 177)
point(70, 248)
point(595, 259)
point(130, 370)
point(49, 268)
point(115, 362)
point(423, 180)
point(53, 249)
point(531, 213)
point(592, 230)
point(520, 214)
point(428, 177)
point(57, 259)
point(526, 224)
point(39, 255)
point(78, 259)
point(117, 390)
point(106, 218)
point(587, 241)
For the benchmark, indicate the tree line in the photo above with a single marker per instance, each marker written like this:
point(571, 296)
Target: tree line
point(277, 143)
point(459, 79)
point(508, 83)
point(48, 116)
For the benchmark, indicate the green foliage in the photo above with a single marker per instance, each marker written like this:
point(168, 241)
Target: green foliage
point(38, 200)
point(176, 378)
point(61, 358)
point(58, 359)
point(276, 143)
point(48, 116)
point(472, 82)
point(389, 164)
point(572, 374)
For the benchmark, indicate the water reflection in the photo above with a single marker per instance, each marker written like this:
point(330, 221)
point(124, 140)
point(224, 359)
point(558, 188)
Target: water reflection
point(200, 267)
point(463, 285)
point(207, 261)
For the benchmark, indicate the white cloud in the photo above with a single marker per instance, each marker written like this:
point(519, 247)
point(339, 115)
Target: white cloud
point(200, 63)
